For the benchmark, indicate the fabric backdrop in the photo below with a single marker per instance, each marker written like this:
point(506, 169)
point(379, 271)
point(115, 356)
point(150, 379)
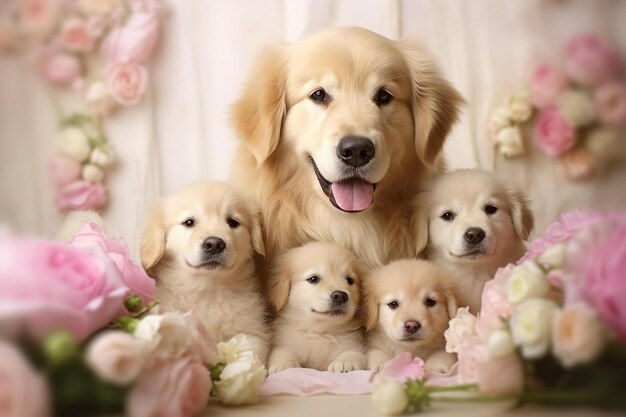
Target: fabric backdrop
point(181, 130)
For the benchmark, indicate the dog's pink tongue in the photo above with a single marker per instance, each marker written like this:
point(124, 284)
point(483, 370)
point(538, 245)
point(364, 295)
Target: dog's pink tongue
point(353, 195)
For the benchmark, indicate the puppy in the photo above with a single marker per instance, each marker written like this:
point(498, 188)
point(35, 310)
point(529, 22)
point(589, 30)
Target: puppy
point(408, 304)
point(315, 290)
point(198, 245)
point(475, 224)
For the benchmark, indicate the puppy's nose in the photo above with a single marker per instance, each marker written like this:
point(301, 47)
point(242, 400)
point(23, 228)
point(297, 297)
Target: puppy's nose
point(213, 245)
point(474, 235)
point(355, 151)
point(339, 297)
point(412, 326)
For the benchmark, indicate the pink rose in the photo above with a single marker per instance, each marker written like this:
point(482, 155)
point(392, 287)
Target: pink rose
point(126, 83)
point(174, 388)
point(47, 286)
point(403, 367)
point(547, 82)
point(64, 170)
point(495, 304)
point(60, 68)
point(136, 279)
point(133, 42)
point(553, 134)
point(503, 375)
point(471, 354)
point(23, 391)
point(591, 60)
point(76, 35)
point(578, 164)
point(81, 195)
point(610, 103)
point(39, 17)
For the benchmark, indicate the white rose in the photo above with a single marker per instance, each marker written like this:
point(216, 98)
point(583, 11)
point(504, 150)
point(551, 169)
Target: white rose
point(98, 6)
point(527, 281)
point(92, 173)
point(167, 335)
point(116, 357)
point(499, 119)
point(518, 106)
point(554, 257)
point(602, 143)
point(102, 156)
point(461, 326)
point(500, 344)
point(388, 396)
point(578, 335)
point(509, 139)
point(576, 107)
point(98, 100)
point(531, 325)
point(74, 144)
point(234, 347)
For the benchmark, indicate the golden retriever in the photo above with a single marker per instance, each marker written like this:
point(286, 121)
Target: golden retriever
point(408, 304)
point(199, 245)
point(315, 291)
point(338, 132)
point(475, 224)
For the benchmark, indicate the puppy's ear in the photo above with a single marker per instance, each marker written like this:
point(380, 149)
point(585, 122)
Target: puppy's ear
point(370, 306)
point(435, 103)
point(279, 284)
point(259, 113)
point(256, 230)
point(522, 216)
point(451, 305)
point(420, 222)
point(153, 239)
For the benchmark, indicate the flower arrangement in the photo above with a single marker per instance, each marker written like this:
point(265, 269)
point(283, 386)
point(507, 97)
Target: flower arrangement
point(575, 111)
point(79, 333)
point(552, 328)
point(97, 50)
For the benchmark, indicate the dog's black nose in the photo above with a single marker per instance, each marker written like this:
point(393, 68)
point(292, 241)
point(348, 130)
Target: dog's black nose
point(474, 235)
point(355, 151)
point(213, 245)
point(339, 297)
point(412, 326)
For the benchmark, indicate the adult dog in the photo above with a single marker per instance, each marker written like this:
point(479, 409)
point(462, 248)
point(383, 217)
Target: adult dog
point(339, 130)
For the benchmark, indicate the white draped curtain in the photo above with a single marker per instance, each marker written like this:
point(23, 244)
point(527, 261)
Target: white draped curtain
point(181, 130)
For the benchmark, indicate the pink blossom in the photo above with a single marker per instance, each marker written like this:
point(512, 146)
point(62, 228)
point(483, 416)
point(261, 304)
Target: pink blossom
point(60, 68)
point(133, 42)
point(81, 195)
point(553, 134)
point(76, 35)
point(64, 170)
point(495, 305)
point(126, 83)
point(174, 388)
point(39, 17)
point(578, 164)
point(591, 60)
point(202, 344)
point(46, 286)
point(23, 391)
point(547, 82)
point(502, 375)
point(610, 103)
point(403, 367)
point(135, 278)
point(472, 353)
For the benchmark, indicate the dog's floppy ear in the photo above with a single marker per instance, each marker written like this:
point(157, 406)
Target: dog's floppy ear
point(153, 238)
point(435, 103)
point(259, 113)
point(370, 305)
point(451, 305)
point(256, 228)
point(521, 214)
point(420, 222)
point(279, 284)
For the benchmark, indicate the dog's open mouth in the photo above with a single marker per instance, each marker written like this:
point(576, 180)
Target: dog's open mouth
point(349, 195)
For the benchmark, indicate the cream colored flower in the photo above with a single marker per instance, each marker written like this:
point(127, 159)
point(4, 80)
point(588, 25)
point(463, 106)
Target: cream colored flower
point(388, 396)
point(500, 343)
point(527, 281)
point(578, 335)
point(167, 335)
point(518, 106)
point(74, 144)
point(92, 173)
point(531, 326)
point(499, 119)
point(116, 357)
point(554, 257)
point(509, 140)
point(576, 107)
point(98, 100)
point(102, 156)
point(459, 327)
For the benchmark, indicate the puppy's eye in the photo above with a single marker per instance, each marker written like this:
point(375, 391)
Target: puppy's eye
point(350, 280)
point(232, 223)
point(382, 97)
point(313, 279)
point(490, 209)
point(393, 304)
point(189, 222)
point(320, 96)
point(430, 302)
point(447, 216)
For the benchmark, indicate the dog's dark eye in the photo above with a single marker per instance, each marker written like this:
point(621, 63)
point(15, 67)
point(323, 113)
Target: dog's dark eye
point(232, 223)
point(189, 222)
point(319, 96)
point(350, 280)
point(447, 216)
point(430, 302)
point(313, 279)
point(393, 304)
point(490, 209)
point(382, 97)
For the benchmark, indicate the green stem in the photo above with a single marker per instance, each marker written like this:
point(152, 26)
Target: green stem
point(451, 388)
point(475, 398)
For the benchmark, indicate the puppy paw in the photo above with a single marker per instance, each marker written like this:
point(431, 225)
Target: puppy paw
point(437, 366)
point(281, 366)
point(342, 366)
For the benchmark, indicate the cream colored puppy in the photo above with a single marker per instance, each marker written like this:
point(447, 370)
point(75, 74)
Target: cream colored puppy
point(198, 245)
point(408, 304)
point(475, 224)
point(315, 290)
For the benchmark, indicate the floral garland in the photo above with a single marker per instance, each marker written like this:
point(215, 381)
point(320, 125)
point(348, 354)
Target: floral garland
point(578, 110)
point(97, 50)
